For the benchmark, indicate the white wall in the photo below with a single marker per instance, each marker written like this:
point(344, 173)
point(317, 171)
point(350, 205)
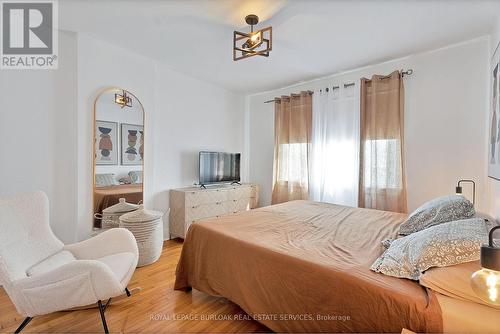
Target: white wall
point(37, 134)
point(46, 127)
point(191, 116)
point(445, 122)
point(183, 116)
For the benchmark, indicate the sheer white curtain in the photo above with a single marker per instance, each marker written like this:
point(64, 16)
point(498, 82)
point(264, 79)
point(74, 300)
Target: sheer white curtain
point(334, 168)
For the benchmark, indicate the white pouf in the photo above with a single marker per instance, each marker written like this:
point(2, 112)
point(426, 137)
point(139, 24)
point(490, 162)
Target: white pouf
point(147, 228)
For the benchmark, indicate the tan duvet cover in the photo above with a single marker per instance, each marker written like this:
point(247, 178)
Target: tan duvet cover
point(305, 267)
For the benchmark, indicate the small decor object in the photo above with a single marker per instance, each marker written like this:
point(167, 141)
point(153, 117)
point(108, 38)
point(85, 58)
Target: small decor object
point(123, 99)
point(106, 141)
point(147, 227)
point(111, 215)
point(132, 144)
point(458, 189)
point(255, 43)
point(486, 282)
point(494, 127)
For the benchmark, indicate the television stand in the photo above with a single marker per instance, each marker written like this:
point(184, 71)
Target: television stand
point(236, 182)
point(202, 186)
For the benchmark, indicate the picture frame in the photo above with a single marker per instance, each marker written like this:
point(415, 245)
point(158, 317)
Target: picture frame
point(494, 118)
point(132, 144)
point(106, 143)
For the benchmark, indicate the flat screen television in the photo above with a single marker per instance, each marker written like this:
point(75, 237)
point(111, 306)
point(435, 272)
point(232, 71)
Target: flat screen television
point(219, 167)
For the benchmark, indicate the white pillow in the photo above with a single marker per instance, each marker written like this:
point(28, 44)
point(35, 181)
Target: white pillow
point(104, 180)
point(437, 246)
point(437, 211)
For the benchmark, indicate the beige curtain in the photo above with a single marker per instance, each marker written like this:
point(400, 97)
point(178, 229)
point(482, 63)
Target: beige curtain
point(292, 141)
point(382, 183)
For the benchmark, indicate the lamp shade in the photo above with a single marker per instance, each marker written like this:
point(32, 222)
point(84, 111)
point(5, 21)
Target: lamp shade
point(486, 282)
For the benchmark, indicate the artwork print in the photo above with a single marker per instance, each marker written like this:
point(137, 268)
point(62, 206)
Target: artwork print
point(132, 137)
point(494, 128)
point(106, 143)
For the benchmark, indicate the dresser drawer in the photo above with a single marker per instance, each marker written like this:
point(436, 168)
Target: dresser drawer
point(195, 198)
point(242, 192)
point(241, 204)
point(202, 211)
point(191, 205)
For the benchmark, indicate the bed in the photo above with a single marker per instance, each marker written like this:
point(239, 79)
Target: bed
point(105, 197)
point(304, 267)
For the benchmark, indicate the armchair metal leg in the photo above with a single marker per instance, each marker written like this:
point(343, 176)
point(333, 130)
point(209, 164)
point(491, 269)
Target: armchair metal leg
point(103, 318)
point(25, 322)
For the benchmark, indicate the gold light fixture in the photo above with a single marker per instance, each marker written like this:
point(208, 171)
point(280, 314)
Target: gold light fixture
point(123, 99)
point(255, 43)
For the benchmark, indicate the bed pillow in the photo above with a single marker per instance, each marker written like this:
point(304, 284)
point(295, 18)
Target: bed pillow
point(104, 180)
point(454, 282)
point(442, 245)
point(440, 210)
point(135, 176)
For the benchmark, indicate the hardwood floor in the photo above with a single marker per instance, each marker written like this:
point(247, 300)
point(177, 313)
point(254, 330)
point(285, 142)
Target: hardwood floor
point(156, 309)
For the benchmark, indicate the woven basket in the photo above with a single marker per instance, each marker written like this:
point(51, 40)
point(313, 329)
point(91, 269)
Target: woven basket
point(110, 216)
point(147, 228)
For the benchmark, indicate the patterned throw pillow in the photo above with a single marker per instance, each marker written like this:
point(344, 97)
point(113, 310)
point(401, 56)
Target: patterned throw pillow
point(135, 176)
point(440, 210)
point(438, 246)
point(104, 180)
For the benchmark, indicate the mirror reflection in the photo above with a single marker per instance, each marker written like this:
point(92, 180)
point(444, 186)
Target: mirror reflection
point(118, 156)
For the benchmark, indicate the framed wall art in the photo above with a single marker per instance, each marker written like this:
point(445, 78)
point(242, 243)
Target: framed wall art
point(132, 144)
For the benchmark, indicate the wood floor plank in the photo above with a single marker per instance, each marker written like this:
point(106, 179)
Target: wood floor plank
point(157, 308)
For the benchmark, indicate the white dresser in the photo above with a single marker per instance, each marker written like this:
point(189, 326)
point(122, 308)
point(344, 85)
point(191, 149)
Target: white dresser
point(189, 205)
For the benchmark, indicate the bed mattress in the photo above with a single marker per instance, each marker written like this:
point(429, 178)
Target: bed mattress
point(304, 267)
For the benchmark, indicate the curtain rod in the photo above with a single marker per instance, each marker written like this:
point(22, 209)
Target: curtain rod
point(310, 92)
point(403, 74)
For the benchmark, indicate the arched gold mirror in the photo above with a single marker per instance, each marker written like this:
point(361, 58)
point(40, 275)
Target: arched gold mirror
point(118, 162)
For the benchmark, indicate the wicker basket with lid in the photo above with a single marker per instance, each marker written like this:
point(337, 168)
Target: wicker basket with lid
point(147, 228)
point(111, 215)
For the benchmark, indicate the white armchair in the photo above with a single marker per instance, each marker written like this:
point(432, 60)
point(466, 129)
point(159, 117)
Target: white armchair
point(41, 275)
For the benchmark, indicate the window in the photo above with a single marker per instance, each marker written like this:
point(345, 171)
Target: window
point(383, 156)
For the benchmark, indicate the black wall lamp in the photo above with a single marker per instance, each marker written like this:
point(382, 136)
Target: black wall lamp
point(458, 189)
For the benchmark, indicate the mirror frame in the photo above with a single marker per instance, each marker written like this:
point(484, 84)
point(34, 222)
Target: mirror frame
point(100, 94)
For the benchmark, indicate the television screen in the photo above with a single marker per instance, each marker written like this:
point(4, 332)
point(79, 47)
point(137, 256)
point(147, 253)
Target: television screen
point(219, 167)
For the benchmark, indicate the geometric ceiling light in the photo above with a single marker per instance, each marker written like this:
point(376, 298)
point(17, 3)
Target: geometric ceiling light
point(123, 99)
point(255, 43)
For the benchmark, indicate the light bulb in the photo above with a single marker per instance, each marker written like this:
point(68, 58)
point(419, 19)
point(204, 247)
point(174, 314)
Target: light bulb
point(255, 37)
point(486, 284)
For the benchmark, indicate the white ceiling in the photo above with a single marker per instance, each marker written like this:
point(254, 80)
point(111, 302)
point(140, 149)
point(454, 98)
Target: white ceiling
point(310, 38)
